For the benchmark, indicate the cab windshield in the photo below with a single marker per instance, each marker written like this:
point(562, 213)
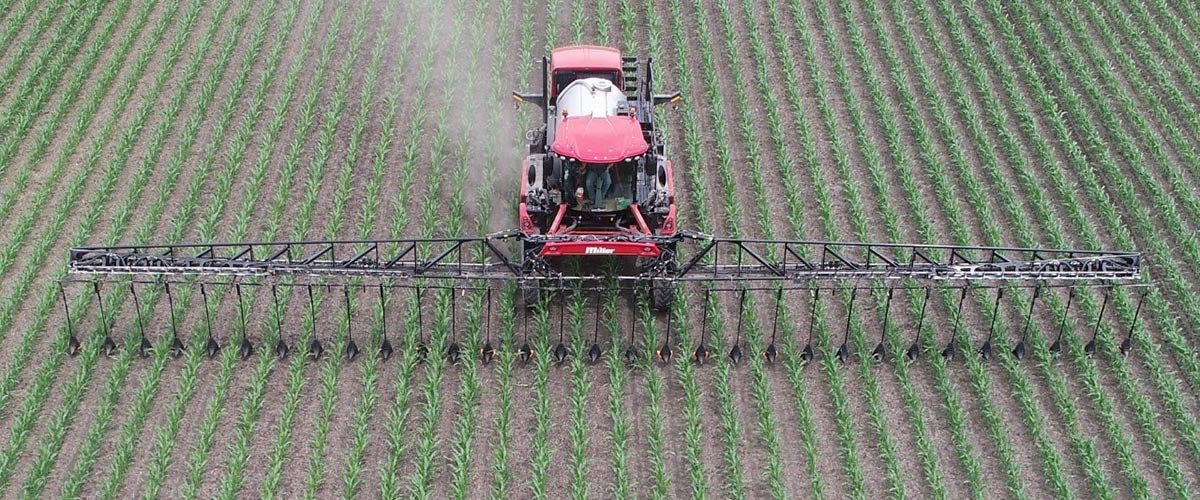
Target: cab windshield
point(600, 187)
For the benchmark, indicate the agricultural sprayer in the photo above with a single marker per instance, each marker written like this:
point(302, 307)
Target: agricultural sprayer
point(595, 186)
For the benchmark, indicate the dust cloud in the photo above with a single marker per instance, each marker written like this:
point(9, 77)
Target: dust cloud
point(469, 89)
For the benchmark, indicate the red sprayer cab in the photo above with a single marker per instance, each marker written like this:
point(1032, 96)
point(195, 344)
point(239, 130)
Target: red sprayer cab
point(596, 181)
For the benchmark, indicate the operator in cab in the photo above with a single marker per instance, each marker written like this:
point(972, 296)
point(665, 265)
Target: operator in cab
point(599, 181)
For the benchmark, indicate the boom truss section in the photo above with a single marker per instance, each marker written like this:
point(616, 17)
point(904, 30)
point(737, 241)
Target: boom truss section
point(731, 259)
point(685, 257)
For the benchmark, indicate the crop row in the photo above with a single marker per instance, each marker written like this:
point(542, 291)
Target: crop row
point(1022, 382)
point(44, 77)
point(1171, 335)
point(1093, 385)
point(45, 15)
point(1170, 330)
point(39, 390)
point(180, 223)
point(1165, 381)
point(117, 375)
point(501, 486)
point(16, 21)
point(69, 98)
point(465, 426)
point(167, 435)
point(1083, 168)
point(944, 194)
point(233, 480)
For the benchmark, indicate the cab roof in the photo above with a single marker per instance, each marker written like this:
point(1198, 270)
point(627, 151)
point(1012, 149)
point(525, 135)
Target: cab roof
point(585, 58)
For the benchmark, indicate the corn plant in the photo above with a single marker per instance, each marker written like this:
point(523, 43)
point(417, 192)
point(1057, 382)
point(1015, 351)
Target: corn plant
point(602, 20)
point(655, 438)
point(551, 25)
point(578, 22)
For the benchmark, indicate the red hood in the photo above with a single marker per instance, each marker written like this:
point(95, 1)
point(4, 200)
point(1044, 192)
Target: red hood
point(599, 140)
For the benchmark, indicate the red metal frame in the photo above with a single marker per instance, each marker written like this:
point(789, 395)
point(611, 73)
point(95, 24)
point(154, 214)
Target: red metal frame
point(600, 248)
